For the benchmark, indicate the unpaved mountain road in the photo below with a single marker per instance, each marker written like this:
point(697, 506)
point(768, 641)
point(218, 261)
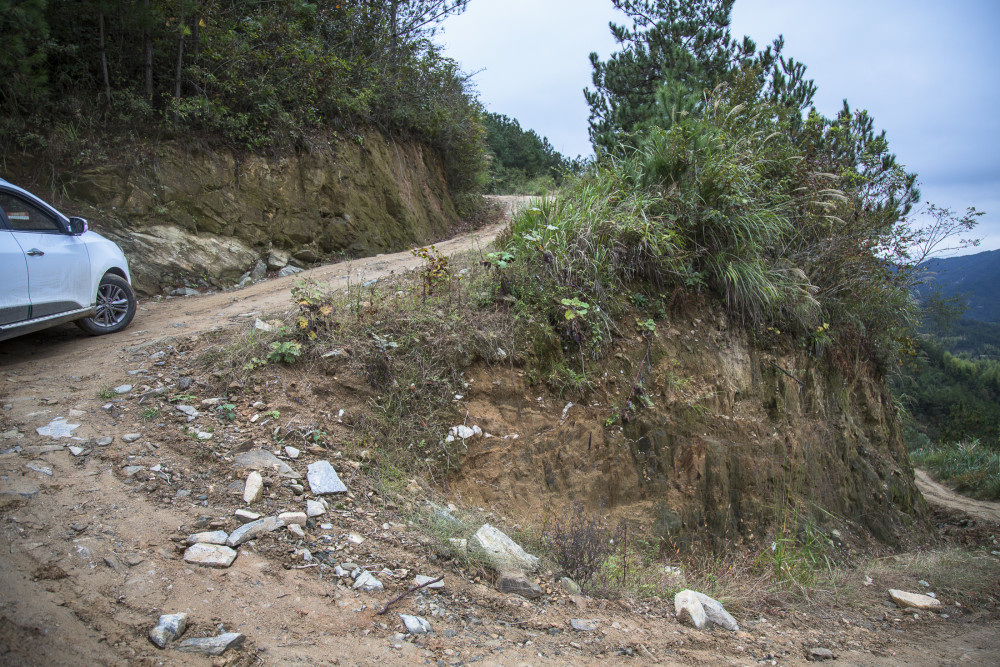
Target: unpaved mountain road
point(88, 562)
point(938, 494)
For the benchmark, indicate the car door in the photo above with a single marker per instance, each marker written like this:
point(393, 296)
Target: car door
point(58, 264)
point(14, 303)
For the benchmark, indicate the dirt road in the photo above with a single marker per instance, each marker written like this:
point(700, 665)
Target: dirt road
point(89, 537)
point(938, 494)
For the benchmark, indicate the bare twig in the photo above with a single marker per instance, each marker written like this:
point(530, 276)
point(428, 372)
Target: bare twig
point(787, 373)
point(405, 593)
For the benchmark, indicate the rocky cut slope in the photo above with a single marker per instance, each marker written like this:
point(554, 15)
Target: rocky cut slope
point(207, 218)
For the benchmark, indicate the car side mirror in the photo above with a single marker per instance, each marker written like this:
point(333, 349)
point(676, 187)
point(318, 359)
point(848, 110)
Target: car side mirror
point(77, 226)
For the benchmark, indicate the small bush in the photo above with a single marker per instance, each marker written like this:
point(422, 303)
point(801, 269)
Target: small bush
point(580, 543)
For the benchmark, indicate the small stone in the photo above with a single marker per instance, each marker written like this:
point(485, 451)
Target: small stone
point(261, 459)
point(583, 625)
point(254, 488)
point(245, 516)
point(314, 508)
point(819, 654)
point(503, 552)
point(104, 442)
point(39, 468)
point(57, 428)
point(296, 530)
point(716, 614)
point(921, 582)
point(366, 581)
point(131, 471)
point(212, 645)
point(131, 437)
point(570, 586)
point(415, 625)
point(323, 479)
point(192, 413)
point(289, 271)
point(689, 610)
point(293, 517)
point(422, 579)
point(168, 628)
point(518, 584)
point(185, 383)
point(210, 555)
point(204, 435)
point(212, 537)
point(914, 600)
point(261, 325)
point(77, 451)
point(123, 389)
point(291, 452)
point(251, 530)
point(354, 538)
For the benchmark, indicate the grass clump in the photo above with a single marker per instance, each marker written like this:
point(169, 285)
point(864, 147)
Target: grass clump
point(969, 466)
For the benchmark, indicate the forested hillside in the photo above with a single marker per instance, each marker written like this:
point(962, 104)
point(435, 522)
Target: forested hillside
point(85, 80)
point(973, 278)
point(523, 162)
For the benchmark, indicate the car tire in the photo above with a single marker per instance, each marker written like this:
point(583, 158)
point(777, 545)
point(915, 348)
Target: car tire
point(115, 305)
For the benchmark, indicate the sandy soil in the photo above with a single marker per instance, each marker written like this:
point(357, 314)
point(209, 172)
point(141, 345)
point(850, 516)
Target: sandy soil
point(90, 553)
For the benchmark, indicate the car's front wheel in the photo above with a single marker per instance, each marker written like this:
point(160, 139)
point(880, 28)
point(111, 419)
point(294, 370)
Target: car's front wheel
point(115, 307)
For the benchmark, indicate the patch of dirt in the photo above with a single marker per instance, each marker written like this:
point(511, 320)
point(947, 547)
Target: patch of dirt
point(92, 543)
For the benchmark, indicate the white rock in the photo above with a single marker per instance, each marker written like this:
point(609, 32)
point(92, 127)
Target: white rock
point(314, 508)
point(212, 645)
point(716, 613)
point(323, 479)
point(246, 516)
point(422, 579)
point(168, 628)
point(210, 555)
point(123, 389)
point(296, 530)
point(689, 610)
point(914, 600)
point(503, 552)
point(131, 437)
point(248, 531)
point(261, 325)
point(415, 625)
point(254, 488)
point(57, 428)
point(461, 431)
point(366, 581)
point(211, 537)
point(77, 451)
point(293, 517)
point(204, 435)
point(291, 452)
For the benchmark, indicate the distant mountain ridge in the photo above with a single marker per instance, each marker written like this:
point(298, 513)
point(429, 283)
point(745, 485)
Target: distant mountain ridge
point(977, 277)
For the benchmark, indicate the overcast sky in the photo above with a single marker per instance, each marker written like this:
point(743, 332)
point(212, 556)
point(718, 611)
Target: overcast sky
point(927, 70)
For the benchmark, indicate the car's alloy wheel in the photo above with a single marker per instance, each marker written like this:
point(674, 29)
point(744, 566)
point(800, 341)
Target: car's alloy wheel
point(114, 309)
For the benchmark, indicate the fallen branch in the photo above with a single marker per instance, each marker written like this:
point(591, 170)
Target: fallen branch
point(405, 593)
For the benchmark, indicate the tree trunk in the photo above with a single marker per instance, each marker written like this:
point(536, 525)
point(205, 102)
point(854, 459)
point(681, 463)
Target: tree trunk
point(394, 25)
point(180, 57)
point(148, 56)
point(104, 61)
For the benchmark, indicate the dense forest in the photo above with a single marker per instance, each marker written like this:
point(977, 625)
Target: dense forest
point(82, 76)
point(523, 162)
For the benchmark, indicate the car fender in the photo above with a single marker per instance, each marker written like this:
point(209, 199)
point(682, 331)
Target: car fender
point(105, 256)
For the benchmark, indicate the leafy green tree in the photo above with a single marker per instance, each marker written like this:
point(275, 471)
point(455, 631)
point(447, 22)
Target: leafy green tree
point(687, 43)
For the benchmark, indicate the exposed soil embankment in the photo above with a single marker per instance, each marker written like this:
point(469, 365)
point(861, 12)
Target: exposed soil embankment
point(722, 439)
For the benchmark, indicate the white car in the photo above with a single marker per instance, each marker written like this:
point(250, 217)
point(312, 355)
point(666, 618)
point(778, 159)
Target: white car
point(54, 270)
